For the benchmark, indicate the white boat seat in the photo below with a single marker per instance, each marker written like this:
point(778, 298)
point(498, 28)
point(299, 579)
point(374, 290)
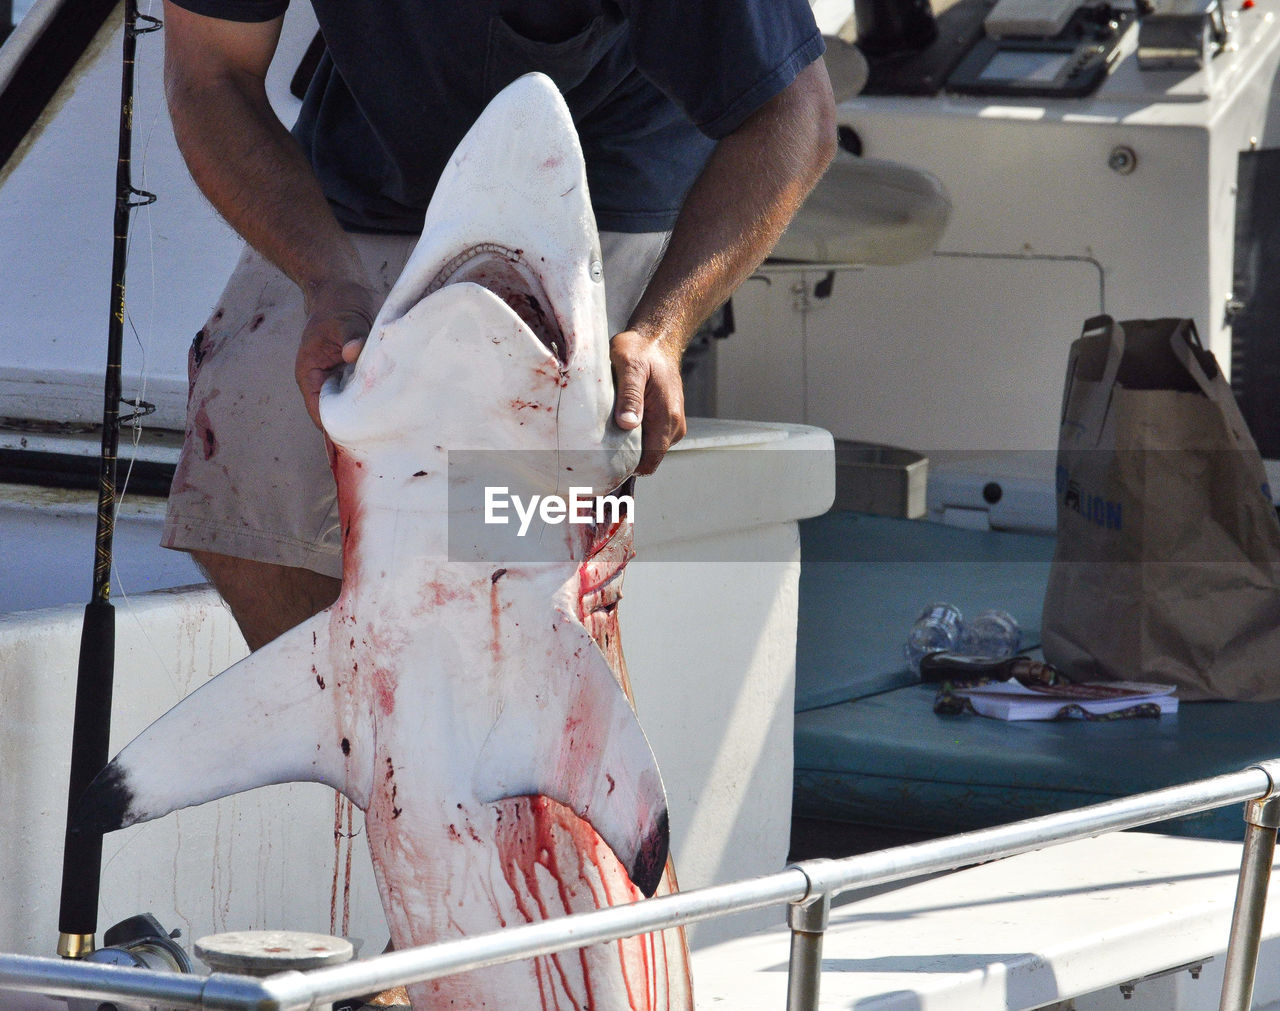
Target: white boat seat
point(846, 66)
point(868, 211)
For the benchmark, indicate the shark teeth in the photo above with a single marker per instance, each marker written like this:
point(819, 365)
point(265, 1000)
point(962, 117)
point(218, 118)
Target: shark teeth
point(508, 275)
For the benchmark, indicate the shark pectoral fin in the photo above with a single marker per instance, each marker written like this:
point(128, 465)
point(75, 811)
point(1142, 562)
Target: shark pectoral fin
point(581, 744)
point(267, 719)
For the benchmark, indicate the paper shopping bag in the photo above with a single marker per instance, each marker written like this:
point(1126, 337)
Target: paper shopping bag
point(1167, 563)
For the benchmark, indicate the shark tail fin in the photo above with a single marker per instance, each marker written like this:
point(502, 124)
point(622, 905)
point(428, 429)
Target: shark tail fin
point(267, 719)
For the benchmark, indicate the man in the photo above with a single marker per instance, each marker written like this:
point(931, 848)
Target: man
point(331, 215)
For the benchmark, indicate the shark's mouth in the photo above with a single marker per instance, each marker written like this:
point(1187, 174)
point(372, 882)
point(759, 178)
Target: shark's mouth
point(507, 274)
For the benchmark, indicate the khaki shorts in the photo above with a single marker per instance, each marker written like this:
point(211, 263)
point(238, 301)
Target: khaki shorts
point(253, 480)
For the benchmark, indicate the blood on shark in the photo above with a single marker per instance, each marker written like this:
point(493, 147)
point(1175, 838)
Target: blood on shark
point(467, 689)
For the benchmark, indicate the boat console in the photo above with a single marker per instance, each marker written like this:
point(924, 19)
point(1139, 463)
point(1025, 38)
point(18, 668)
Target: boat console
point(1096, 157)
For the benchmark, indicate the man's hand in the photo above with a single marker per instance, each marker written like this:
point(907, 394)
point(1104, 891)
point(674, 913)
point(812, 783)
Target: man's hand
point(650, 394)
point(339, 315)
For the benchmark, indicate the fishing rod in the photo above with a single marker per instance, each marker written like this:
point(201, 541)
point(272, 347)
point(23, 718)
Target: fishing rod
point(91, 730)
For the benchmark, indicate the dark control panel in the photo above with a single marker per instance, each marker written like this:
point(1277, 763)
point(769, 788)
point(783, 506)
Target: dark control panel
point(1071, 64)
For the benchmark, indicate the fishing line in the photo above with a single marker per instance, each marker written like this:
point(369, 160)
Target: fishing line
point(144, 347)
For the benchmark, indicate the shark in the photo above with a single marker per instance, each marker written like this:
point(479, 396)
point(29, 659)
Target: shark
point(467, 690)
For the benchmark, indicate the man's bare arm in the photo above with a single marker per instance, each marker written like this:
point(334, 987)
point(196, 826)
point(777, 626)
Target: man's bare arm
point(752, 186)
point(255, 175)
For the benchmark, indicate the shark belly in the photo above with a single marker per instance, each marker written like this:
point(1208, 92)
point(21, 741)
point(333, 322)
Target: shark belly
point(521, 860)
point(451, 860)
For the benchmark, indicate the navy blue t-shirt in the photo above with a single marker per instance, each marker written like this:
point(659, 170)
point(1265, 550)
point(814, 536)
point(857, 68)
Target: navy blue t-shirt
point(651, 85)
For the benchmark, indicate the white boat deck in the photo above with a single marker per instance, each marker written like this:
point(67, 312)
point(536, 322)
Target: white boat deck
point(1067, 924)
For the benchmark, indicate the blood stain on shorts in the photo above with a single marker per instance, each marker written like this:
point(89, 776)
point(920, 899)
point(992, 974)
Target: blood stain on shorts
point(202, 429)
point(195, 356)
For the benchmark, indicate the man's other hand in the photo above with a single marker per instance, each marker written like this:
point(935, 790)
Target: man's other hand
point(650, 394)
point(339, 315)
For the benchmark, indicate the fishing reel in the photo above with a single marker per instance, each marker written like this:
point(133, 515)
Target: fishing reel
point(139, 943)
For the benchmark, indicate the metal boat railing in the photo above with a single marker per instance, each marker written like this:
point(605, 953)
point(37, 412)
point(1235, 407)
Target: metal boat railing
point(808, 887)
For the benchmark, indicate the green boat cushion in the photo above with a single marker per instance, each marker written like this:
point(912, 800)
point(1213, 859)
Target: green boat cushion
point(889, 760)
point(869, 748)
point(864, 580)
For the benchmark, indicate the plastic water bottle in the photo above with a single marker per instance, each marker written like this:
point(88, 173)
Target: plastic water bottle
point(937, 629)
point(991, 634)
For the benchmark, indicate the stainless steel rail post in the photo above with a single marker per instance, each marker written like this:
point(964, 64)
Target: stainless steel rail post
point(808, 923)
point(1262, 817)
